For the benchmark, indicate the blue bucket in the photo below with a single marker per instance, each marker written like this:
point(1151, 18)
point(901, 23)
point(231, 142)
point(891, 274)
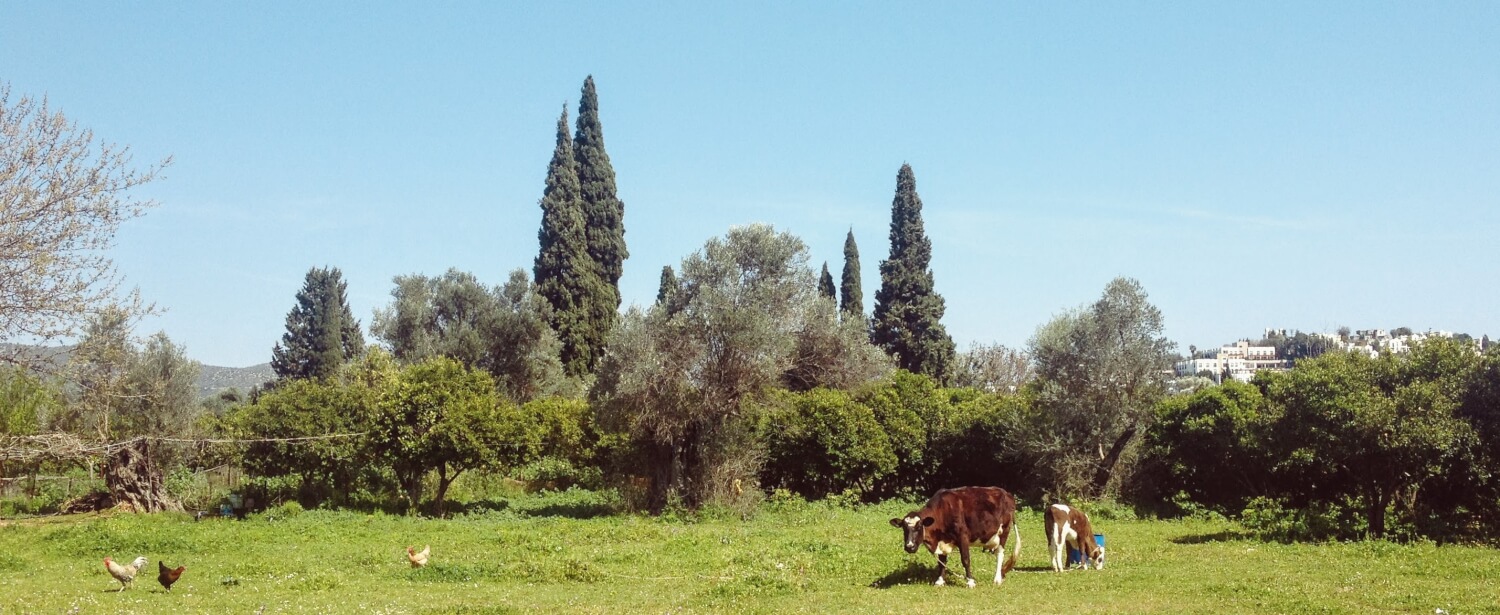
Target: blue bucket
point(1076, 557)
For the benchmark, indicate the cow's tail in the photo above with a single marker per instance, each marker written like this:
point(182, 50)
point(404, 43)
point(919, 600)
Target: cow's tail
point(1010, 562)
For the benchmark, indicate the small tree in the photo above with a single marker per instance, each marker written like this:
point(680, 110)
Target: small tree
point(440, 416)
point(825, 284)
point(62, 200)
point(993, 368)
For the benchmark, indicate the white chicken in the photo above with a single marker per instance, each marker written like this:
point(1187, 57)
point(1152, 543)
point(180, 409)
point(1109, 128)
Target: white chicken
point(124, 574)
point(418, 558)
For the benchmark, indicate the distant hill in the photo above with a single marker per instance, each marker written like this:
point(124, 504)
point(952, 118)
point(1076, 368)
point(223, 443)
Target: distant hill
point(212, 379)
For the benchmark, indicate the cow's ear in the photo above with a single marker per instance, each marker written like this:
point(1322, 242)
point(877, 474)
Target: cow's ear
point(895, 523)
point(926, 521)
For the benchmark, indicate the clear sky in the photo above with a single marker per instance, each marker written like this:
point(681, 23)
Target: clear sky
point(1299, 165)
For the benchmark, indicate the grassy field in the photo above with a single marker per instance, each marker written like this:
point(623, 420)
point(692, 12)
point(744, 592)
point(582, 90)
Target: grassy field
point(557, 554)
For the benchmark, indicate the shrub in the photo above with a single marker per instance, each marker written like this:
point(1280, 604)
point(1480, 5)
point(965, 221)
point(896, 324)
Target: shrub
point(823, 442)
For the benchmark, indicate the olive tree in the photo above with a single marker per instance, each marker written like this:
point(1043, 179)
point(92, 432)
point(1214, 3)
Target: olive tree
point(678, 377)
point(1100, 373)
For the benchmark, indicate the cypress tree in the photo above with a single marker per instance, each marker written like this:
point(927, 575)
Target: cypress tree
point(825, 284)
point(908, 312)
point(565, 275)
point(668, 288)
point(603, 214)
point(852, 297)
point(321, 332)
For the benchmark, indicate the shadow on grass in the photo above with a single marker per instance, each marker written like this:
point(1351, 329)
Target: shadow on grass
point(1047, 568)
point(912, 574)
point(1225, 536)
point(568, 509)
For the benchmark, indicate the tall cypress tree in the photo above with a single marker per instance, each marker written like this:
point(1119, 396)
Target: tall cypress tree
point(825, 284)
point(908, 312)
point(321, 332)
point(603, 214)
point(851, 296)
point(565, 275)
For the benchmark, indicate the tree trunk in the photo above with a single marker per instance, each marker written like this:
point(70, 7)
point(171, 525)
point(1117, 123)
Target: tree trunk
point(444, 481)
point(1111, 459)
point(135, 482)
point(1377, 501)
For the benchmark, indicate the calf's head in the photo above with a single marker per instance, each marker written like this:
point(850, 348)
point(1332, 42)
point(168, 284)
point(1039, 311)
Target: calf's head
point(912, 527)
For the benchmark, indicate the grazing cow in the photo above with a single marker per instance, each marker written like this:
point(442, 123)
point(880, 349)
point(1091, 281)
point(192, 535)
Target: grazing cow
point(1069, 527)
point(954, 518)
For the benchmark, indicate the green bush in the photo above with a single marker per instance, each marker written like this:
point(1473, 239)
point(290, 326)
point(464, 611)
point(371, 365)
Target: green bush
point(822, 442)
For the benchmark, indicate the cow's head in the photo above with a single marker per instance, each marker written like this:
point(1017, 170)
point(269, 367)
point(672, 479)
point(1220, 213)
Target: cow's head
point(911, 527)
point(1099, 559)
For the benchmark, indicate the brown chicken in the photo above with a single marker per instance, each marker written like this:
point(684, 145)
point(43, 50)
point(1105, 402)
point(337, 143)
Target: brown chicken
point(124, 574)
point(418, 558)
point(167, 576)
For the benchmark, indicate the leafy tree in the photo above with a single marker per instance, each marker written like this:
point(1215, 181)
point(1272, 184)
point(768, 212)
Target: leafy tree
point(604, 217)
point(1371, 430)
point(63, 199)
point(825, 284)
point(566, 276)
point(851, 298)
point(501, 330)
point(823, 442)
point(161, 386)
point(993, 368)
point(1100, 373)
point(321, 470)
point(26, 401)
point(679, 382)
point(1214, 446)
point(440, 416)
point(908, 312)
point(98, 367)
point(321, 331)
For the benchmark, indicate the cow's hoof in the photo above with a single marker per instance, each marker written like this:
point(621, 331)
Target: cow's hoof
point(999, 580)
point(971, 583)
point(939, 582)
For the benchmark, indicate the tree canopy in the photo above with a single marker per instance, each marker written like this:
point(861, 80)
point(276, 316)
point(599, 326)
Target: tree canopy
point(321, 331)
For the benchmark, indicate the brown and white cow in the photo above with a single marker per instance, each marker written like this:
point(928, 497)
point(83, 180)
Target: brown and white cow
point(1069, 527)
point(955, 518)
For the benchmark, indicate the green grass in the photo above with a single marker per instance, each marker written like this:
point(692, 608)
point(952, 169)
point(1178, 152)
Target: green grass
point(532, 556)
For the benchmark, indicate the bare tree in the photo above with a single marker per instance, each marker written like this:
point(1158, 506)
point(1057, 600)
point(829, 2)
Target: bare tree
point(993, 367)
point(62, 198)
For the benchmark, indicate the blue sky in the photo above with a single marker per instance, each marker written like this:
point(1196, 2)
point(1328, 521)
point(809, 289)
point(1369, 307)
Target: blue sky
point(1252, 164)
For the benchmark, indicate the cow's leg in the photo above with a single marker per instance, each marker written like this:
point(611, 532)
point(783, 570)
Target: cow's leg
point(942, 568)
point(963, 552)
point(1004, 540)
point(1055, 548)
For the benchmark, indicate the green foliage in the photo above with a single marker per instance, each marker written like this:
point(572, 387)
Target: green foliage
point(908, 311)
point(566, 276)
point(1298, 345)
point(321, 331)
point(851, 297)
point(1214, 446)
point(500, 330)
point(439, 415)
point(1370, 430)
point(666, 290)
point(911, 410)
point(26, 401)
point(315, 470)
point(604, 217)
point(822, 442)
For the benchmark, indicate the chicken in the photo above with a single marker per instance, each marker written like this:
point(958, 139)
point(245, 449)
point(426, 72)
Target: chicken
point(167, 576)
point(124, 574)
point(418, 558)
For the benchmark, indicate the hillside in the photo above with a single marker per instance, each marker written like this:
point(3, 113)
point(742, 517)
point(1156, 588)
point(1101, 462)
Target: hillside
point(213, 379)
